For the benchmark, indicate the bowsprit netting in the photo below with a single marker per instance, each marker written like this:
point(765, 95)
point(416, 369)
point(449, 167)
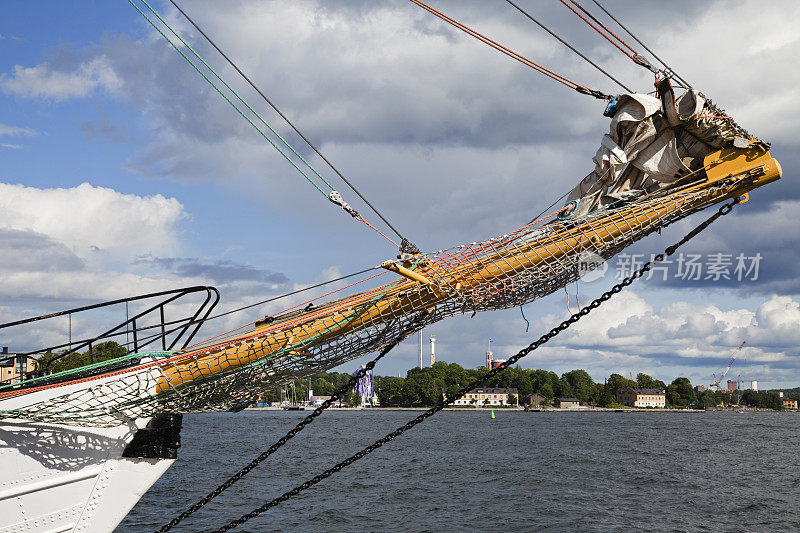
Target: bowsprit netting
point(662, 160)
point(498, 273)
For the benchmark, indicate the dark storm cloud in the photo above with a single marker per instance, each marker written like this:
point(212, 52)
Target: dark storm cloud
point(788, 187)
point(219, 271)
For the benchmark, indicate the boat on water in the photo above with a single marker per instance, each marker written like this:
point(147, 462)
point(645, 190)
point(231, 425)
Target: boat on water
point(78, 448)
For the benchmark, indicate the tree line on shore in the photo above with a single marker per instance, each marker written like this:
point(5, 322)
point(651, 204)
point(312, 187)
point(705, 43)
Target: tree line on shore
point(422, 387)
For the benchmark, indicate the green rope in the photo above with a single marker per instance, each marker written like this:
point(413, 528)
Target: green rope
point(80, 369)
point(259, 130)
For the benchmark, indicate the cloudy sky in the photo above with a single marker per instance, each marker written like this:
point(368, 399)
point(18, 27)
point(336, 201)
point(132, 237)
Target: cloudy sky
point(122, 172)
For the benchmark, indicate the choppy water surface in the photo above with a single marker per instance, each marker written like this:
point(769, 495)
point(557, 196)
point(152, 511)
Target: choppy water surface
point(520, 472)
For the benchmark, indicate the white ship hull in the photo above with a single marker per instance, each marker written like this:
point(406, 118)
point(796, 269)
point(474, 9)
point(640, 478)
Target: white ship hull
point(59, 478)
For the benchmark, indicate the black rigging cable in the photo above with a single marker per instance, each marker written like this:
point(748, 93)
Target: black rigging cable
point(609, 35)
point(643, 45)
point(546, 209)
point(405, 241)
point(545, 28)
point(183, 323)
point(292, 293)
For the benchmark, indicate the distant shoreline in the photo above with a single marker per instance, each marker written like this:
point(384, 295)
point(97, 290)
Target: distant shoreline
point(519, 410)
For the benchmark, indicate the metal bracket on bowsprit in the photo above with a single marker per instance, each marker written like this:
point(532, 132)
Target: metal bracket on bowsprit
point(641, 60)
point(591, 92)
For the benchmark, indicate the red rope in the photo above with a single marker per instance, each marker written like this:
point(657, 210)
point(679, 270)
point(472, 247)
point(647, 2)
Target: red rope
point(713, 116)
point(497, 46)
point(598, 30)
point(362, 219)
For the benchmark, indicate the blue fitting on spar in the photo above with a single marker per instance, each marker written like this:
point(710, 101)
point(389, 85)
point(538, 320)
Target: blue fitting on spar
point(565, 213)
point(611, 108)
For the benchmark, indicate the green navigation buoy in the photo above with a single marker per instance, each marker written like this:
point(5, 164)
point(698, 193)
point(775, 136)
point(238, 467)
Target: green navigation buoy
point(492, 414)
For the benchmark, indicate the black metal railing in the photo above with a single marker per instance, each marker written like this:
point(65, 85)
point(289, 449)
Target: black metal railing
point(167, 335)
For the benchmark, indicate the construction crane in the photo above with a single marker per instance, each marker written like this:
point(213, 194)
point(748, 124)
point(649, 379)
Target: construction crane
point(717, 381)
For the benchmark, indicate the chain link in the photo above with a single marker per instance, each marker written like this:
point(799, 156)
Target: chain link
point(449, 400)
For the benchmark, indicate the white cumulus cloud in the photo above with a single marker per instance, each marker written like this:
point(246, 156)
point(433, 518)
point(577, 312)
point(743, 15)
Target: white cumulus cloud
point(86, 218)
point(43, 81)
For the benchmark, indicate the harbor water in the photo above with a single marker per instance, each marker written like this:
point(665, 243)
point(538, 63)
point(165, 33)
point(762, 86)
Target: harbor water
point(462, 471)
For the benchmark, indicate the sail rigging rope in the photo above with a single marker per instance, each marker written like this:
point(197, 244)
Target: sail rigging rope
point(667, 67)
point(298, 291)
point(289, 122)
point(182, 323)
point(239, 98)
point(562, 41)
point(301, 304)
point(333, 196)
point(635, 56)
point(514, 55)
point(631, 53)
point(274, 298)
point(450, 399)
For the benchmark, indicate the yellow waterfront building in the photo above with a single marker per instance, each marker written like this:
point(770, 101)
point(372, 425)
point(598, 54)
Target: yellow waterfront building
point(488, 397)
point(642, 397)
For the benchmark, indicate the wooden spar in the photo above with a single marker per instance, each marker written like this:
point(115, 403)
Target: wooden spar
point(403, 271)
point(419, 293)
